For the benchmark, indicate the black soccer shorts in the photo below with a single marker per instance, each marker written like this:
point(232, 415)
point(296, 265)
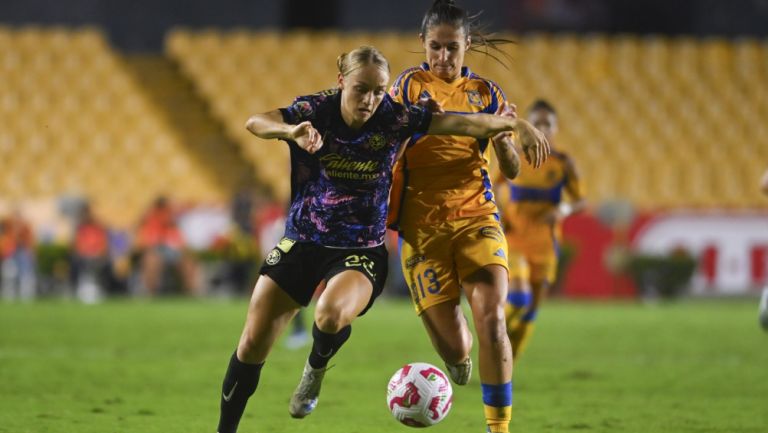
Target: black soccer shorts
point(299, 267)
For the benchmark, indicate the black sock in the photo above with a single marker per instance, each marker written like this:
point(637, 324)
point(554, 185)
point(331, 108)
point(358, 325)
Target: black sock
point(326, 345)
point(240, 382)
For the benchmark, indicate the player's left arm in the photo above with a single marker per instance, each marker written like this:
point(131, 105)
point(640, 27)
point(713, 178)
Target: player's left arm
point(481, 125)
point(574, 189)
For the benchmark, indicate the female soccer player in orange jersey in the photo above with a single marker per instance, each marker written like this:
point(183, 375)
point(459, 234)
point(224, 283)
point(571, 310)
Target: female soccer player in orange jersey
point(532, 212)
point(343, 143)
point(443, 207)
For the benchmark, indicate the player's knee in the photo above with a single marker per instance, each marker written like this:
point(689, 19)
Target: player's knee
point(330, 318)
point(456, 350)
point(250, 348)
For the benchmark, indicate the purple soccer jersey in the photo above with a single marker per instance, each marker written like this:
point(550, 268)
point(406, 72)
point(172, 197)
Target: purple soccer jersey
point(339, 195)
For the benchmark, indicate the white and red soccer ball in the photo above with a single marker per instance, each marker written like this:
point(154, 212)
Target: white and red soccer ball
point(419, 395)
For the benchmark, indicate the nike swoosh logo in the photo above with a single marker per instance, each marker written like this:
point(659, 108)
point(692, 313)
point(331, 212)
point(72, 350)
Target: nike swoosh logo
point(228, 397)
point(327, 355)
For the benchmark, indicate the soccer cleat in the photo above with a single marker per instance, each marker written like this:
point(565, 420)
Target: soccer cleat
point(461, 372)
point(304, 398)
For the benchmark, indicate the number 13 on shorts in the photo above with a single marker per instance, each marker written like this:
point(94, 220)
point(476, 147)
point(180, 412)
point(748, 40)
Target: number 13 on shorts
point(426, 281)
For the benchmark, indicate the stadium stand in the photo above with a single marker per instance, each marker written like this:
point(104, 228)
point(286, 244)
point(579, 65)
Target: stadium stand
point(76, 122)
point(661, 122)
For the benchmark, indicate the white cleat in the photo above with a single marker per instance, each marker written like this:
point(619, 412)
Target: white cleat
point(764, 309)
point(304, 398)
point(461, 372)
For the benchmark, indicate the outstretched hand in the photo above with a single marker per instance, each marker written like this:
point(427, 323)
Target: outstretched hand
point(535, 145)
point(307, 137)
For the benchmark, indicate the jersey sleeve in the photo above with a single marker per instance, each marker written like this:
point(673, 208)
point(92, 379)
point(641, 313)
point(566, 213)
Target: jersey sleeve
point(498, 97)
point(302, 109)
point(401, 90)
point(498, 93)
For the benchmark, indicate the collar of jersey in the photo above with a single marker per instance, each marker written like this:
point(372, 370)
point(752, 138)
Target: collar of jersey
point(465, 72)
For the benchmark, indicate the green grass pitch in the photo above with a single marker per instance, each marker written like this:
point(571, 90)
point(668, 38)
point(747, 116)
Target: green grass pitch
point(133, 366)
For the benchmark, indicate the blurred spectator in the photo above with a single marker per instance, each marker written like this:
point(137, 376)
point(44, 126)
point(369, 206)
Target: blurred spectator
point(91, 267)
point(764, 183)
point(268, 223)
point(163, 262)
point(244, 249)
point(17, 258)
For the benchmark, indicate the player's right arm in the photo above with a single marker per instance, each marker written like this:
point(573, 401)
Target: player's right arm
point(271, 125)
point(574, 188)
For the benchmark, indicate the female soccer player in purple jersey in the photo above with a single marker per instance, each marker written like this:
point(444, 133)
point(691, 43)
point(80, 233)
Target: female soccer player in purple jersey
point(343, 143)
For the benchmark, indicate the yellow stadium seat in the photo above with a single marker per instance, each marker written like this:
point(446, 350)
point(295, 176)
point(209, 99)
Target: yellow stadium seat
point(632, 103)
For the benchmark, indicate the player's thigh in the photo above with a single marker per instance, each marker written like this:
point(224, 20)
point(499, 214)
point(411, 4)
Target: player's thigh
point(479, 242)
point(346, 295)
point(487, 286)
point(269, 311)
point(354, 279)
point(519, 272)
point(428, 268)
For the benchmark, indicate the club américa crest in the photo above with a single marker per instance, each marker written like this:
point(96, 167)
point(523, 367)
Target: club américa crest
point(274, 257)
point(377, 141)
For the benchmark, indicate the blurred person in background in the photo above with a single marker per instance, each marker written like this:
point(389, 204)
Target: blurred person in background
point(533, 209)
point(17, 258)
point(442, 204)
point(764, 183)
point(240, 243)
point(90, 257)
point(162, 257)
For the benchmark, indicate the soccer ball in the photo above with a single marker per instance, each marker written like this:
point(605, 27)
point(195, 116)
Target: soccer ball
point(419, 395)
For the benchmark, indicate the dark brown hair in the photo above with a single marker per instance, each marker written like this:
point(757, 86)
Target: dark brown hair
point(447, 12)
point(542, 104)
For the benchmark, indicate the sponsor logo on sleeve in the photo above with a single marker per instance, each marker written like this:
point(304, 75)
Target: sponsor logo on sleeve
point(305, 108)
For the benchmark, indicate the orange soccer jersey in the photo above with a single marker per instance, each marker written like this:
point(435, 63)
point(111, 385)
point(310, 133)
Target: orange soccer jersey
point(527, 203)
point(443, 178)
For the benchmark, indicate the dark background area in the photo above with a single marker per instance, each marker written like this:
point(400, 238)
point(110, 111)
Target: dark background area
point(140, 25)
